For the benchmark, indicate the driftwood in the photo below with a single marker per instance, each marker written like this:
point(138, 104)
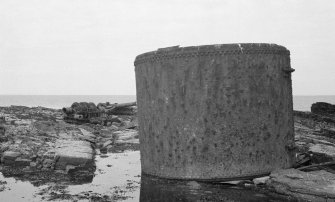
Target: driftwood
point(329, 163)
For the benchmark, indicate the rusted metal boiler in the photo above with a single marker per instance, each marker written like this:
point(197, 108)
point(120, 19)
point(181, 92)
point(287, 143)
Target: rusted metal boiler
point(215, 112)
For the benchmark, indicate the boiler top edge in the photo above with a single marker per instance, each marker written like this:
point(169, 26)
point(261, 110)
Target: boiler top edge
point(208, 50)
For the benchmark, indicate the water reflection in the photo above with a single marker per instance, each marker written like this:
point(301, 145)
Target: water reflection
point(154, 189)
point(12, 189)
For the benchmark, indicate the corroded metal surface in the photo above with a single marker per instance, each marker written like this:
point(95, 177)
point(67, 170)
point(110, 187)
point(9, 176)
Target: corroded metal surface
point(215, 112)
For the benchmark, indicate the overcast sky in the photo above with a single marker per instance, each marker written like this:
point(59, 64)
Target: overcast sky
point(88, 47)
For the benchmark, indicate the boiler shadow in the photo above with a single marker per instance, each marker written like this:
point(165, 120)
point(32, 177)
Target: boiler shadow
point(155, 189)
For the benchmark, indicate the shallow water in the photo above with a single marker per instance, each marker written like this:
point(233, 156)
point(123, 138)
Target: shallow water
point(118, 176)
point(118, 171)
point(17, 190)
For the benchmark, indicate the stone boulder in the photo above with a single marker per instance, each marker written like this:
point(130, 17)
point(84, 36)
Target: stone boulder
point(87, 136)
point(74, 152)
point(107, 143)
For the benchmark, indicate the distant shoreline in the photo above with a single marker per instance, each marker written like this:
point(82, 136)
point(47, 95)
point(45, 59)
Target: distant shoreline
point(60, 101)
point(300, 102)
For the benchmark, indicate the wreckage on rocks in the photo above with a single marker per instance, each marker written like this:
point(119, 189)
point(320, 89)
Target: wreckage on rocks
point(88, 112)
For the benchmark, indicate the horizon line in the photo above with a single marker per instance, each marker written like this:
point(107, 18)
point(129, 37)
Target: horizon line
point(69, 94)
point(122, 95)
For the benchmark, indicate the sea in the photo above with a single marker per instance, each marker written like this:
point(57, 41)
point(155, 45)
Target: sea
point(300, 102)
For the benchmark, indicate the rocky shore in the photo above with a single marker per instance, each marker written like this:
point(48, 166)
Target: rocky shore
point(39, 146)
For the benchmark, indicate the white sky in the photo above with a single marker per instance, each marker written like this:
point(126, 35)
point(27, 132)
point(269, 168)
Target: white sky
point(87, 47)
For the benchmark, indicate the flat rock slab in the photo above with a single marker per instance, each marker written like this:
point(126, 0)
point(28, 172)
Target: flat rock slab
point(8, 157)
point(130, 141)
point(309, 186)
point(127, 137)
point(73, 152)
point(327, 150)
point(22, 162)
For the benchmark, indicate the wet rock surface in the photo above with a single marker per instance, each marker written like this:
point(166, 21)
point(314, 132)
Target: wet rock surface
point(310, 186)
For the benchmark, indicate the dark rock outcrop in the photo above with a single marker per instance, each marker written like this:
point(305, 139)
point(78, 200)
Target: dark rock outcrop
point(323, 108)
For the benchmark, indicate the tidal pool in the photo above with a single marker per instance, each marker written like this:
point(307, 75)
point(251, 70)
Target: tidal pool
point(117, 177)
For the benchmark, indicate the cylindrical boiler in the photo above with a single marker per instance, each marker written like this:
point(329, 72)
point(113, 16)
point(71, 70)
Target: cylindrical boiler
point(215, 112)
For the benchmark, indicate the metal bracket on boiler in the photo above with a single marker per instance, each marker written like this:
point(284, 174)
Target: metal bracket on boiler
point(288, 71)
